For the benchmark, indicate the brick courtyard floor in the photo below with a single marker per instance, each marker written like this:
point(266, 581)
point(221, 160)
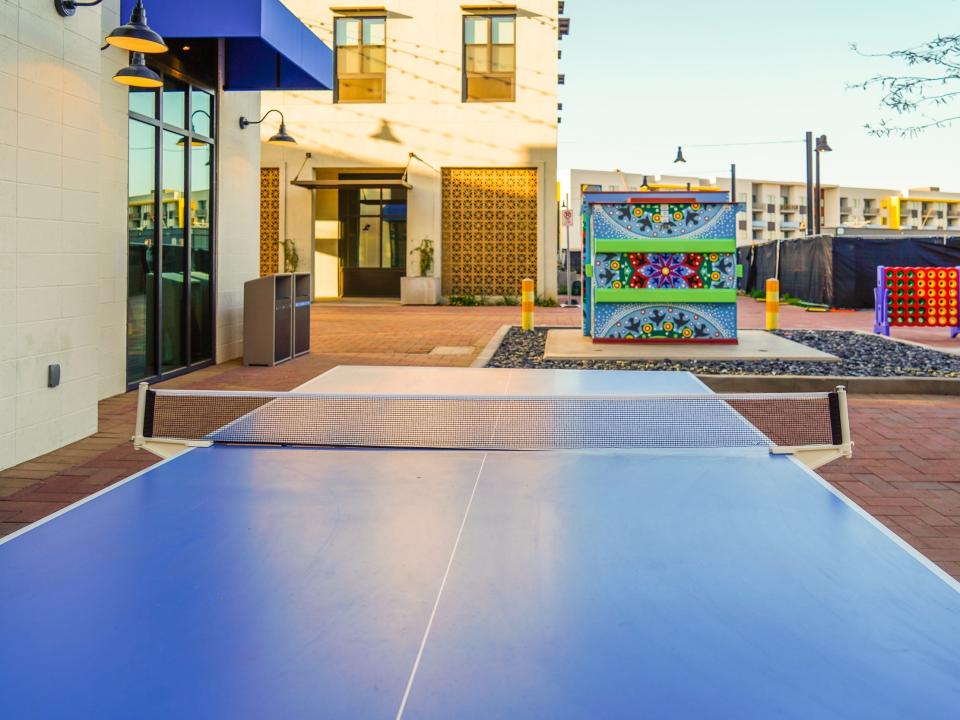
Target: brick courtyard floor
point(906, 469)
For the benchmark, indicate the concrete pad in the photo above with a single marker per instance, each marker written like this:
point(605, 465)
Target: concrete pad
point(754, 345)
point(452, 350)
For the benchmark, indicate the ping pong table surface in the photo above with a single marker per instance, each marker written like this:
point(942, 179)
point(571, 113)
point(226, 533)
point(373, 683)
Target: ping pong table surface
point(265, 582)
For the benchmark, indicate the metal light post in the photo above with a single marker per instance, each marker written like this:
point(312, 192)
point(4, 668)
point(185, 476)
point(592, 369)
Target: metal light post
point(809, 151)
point(821, 147)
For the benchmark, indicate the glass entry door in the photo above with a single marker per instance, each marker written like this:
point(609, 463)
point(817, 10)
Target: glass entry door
point(373, 241)
point(171, 168)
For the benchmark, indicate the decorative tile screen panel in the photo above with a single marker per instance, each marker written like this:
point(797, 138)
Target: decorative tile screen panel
point(489, 230)
point(269, 220)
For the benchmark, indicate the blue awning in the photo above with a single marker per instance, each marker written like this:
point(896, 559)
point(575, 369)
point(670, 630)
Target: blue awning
point(267, 46)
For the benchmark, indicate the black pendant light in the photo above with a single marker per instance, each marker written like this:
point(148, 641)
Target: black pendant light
point(136, 35)
point(680, 157)
point(137, 74)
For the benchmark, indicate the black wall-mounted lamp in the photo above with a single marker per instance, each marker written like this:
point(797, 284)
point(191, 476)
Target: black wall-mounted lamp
point(137, 74)
point(136, 37)
point(282, 138)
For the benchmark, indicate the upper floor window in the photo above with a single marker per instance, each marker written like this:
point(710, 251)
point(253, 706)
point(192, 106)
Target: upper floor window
point(361, 60)
point(489, 58)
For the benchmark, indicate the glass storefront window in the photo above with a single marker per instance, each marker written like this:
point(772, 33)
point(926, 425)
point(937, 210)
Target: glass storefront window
point(143, 101)
point(201, 258)
point(141, 252)
point(170, 230)
point(201, 112)
point(174, 102)
point(172, 290)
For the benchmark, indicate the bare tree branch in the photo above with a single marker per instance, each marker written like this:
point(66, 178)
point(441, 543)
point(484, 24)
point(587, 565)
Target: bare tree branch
point(937, 86)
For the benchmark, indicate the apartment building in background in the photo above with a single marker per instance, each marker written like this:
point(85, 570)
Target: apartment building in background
point(778, 209)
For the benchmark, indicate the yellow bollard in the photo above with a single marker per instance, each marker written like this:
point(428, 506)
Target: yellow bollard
point(773, 304)
point(526, 304)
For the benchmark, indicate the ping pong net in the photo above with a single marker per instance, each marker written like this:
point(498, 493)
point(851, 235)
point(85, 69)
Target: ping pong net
point(807, 424)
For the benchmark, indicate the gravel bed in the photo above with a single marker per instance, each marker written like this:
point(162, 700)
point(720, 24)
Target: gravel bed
point(860, 356)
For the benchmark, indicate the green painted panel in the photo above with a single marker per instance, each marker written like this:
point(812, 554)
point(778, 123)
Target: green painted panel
point(677, 245)
point(666, 295)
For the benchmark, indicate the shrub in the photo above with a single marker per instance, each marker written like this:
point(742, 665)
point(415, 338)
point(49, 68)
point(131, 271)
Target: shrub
point(463, 300)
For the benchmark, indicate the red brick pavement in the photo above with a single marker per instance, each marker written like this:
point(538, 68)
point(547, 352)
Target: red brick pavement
point(906, 469)
point(341, 335)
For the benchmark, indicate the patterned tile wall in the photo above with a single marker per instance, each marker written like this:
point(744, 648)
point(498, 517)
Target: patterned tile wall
point(489, 230)
point(269, 220)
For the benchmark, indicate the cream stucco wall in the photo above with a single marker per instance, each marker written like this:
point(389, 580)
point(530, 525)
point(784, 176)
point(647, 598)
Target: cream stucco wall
point(238, 218)
point(62, 149)
point(424, 114)
point(63, 208)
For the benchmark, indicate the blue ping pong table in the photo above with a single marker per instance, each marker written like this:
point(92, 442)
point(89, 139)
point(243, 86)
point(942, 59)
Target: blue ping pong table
point(272, 582)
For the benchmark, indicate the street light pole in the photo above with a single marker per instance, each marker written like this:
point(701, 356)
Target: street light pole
point(809, 151)
point(821, 147)
point(816, 198)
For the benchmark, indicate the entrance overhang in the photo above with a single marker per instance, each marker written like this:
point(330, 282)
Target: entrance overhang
point(337, 184)
point(267, 46)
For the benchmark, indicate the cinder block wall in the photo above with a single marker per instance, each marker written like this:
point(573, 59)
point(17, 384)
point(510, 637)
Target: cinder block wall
point(62, 160)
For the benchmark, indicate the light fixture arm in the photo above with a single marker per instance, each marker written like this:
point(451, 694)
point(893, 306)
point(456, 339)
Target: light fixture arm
point(244, 123)
point(68, 8)
point(411, 156)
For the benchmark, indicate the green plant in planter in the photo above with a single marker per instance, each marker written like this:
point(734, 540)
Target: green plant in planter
point(425, 252)
point(290, 257)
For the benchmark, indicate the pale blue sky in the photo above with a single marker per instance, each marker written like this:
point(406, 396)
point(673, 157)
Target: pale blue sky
point(643, 77)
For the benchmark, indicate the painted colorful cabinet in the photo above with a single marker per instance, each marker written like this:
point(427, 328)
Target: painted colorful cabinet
point(660, 267)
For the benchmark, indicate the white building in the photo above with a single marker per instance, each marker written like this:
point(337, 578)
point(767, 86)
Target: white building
point(129, 220)
point(81, 218)
point(442, 126)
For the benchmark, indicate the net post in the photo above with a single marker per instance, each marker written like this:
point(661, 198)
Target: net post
point(846, 443)
point(138, 438)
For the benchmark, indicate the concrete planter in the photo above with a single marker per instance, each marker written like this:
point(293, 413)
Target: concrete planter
point(419, 290)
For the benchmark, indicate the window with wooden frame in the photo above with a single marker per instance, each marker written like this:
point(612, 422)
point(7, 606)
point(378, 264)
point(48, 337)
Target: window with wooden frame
point(361, 59)
point(489, 58)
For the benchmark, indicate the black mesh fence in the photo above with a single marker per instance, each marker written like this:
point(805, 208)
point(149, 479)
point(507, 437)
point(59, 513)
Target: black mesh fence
point(840, 271)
